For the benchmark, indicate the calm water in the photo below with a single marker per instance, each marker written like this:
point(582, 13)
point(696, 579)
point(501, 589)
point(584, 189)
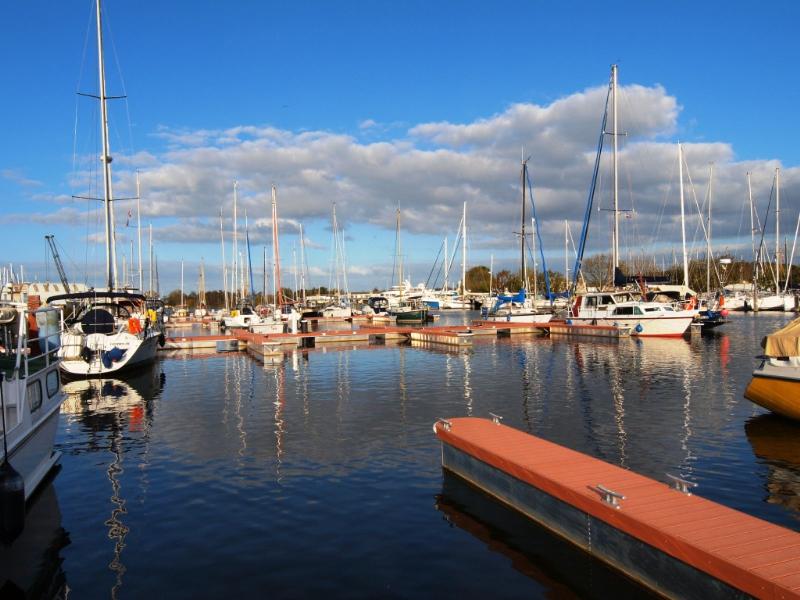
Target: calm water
point(213, 475)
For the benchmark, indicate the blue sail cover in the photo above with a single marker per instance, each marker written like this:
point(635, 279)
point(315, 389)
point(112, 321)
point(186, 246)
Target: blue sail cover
point(503, 299)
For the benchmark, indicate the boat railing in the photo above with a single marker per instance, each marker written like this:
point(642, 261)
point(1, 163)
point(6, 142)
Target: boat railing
point(40, 352)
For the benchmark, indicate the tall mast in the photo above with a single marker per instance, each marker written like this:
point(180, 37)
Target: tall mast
point(181, 282)
point(566, 254)
point(302, 264)
point(150, 229)
point(615, 249)
point(224, 265)
point(708, 229)
point(139, 231)
point(683, 221)
point(111, 257)
point(235, 283)
point(446, 265)
point(533, 253)
point(464, 252)
point(523, 266)
point(275, 249)
point(777, 230)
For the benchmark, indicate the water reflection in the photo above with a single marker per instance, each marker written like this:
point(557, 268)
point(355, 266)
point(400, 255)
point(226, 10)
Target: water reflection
point(31, 566)
point(112, 411)
point(563, 570)
point(776, 443)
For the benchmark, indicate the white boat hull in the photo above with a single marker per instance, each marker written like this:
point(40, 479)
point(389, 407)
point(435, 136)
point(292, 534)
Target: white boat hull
point(672, 326)
point(138, 352)
point(519, 317)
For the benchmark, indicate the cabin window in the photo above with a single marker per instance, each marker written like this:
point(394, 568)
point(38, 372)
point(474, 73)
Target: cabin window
point(637, 310)
point(591, 301)
point(606, 300)
point(651, 309)
point(624, 310)
point(669, 309)
point(34, 394)
point(52, 383)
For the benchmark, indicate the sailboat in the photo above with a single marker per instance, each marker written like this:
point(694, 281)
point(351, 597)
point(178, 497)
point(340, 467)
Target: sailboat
point(109, 330)
point(340, 308)
point(622, 307)
point(398, 298)
point(520, 308)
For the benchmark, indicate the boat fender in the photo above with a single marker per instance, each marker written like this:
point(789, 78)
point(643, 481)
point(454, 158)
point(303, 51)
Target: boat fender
point(12, 503)
point(161, 340)
point(724, 312)
point(639, 328)
point(568, 321)
point(86, 354)
point(508, 317)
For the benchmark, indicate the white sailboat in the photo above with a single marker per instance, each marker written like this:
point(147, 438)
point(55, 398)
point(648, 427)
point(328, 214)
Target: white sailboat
point(626, 307)
point(340, 308)
point(108, 331)
point(519, 308)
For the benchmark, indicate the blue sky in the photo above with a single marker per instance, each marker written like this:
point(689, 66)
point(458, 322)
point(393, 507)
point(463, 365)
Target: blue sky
point(374, 104)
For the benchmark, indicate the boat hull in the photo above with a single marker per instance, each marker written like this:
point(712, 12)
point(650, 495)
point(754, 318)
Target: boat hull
point(138, 352)
point(519, 317)
point(777, 389)
point(657, 327)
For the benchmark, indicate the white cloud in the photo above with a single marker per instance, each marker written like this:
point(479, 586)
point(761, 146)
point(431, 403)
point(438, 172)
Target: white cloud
point(431, 168)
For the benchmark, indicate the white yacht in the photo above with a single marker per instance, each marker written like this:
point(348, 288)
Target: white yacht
point(628, 308)
point(31, 390)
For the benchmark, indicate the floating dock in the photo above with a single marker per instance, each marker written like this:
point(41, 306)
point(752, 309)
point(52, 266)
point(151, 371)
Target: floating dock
point(671, 541)
point(447, 336)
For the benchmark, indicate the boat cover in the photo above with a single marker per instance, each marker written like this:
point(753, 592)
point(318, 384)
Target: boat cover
point(784, 342)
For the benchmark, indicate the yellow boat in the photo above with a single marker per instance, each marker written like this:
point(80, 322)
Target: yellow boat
point(776, 383)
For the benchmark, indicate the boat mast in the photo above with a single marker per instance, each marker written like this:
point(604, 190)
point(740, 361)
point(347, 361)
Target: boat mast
point(566, 254)
point(302, 264)
point(446, 265)
point(276, 250)
point(235, 273)
point(464, 252)
point(533, 254)
point(224, 265)
point(111, 257)
point(777, 230)
point(181, 283)
point(708, 229)
point(150, 230)
point(615, 244)
point(683, 220)
point(139, 230)
point(753, 243)
point(524, 270)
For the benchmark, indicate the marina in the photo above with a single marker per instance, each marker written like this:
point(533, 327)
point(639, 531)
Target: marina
point(306, 243)
point(204, 457)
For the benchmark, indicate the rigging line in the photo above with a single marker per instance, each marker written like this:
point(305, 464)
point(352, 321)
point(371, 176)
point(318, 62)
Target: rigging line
point(435, 262)
point(590, 200)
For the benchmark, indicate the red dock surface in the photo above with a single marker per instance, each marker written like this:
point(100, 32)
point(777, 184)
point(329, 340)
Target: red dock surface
point(744, 552)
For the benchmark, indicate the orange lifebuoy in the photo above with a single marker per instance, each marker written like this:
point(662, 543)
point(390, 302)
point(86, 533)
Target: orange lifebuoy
point(134, 326)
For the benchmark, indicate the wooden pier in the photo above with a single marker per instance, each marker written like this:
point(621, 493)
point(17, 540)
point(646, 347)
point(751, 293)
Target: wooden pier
point(606, 331)
point(676, 543)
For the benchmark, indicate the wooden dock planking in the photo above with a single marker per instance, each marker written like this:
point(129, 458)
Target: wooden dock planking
point(743, 552)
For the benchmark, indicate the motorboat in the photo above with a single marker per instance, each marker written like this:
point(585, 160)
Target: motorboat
point(31, 390)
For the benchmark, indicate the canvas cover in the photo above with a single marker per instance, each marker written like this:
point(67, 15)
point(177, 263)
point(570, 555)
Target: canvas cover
point(784, 342)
